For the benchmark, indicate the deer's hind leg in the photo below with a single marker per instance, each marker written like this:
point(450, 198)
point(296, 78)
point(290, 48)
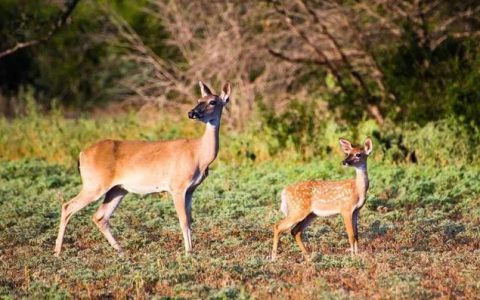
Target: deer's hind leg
point(291, 220)
point(297, 232)
point(101, 217)
point(85, 197)
point(355, 230)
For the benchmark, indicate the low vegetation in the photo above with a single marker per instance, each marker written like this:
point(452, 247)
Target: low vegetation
point(419, 234)
point(304, 74)
point(301, 133)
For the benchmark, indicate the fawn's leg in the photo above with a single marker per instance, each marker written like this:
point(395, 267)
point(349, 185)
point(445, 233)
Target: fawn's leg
point(355, 229)
point(297, 232)
point(347, 219)
point(282, 226)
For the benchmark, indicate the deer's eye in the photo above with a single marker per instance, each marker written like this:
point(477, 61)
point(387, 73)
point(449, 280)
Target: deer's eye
point(213, 102)
point(358, 155)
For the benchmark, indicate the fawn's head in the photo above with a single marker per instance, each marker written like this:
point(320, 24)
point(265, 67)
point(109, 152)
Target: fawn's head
point(210, 106)
point(356, 156)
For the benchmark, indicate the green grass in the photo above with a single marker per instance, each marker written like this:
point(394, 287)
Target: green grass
point(419, 236)
point(59, 140)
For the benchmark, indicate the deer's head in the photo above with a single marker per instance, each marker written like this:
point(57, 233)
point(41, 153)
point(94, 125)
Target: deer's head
point(210, 106)
point(356, 156)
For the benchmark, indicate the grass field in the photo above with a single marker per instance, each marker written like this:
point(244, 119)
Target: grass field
point(419, 237)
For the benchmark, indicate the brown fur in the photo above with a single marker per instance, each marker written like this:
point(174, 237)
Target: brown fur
point(304, 201)
point(114, 168)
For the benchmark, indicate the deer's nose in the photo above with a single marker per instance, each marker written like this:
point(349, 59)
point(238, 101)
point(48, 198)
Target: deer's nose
point(193, 114)
point(345, 162)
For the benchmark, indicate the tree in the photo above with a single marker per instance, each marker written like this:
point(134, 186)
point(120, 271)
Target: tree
point(44, 36)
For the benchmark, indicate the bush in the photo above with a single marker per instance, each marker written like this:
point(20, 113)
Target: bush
point(298, 133)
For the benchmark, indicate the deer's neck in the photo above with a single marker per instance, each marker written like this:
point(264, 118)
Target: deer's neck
point(361, 181)
point(209, 144)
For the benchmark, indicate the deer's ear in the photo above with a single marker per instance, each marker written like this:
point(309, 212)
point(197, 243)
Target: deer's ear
point(345, 145)
point(204, 89)
point(368, 146)
point(226, 91)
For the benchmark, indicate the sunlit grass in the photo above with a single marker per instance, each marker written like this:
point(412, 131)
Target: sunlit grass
point(417, 232)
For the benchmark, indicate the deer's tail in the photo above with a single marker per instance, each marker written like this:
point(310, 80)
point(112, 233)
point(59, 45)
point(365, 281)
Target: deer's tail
point(283, 205)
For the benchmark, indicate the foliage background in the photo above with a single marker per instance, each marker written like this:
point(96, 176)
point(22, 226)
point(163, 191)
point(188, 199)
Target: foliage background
point(304, 73)
point(398, 60)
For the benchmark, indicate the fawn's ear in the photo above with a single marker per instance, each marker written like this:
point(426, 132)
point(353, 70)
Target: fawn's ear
point(204, 89)
point(368, 146)
point(226, 91)
point(345, 145)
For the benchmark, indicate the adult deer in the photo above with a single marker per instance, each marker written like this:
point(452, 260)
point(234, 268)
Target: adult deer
point(302, 202)
point(114, 168)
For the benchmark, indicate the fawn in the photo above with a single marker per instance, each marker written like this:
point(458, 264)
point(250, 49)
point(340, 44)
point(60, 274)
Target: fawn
point(114, 168)
point(302, 202)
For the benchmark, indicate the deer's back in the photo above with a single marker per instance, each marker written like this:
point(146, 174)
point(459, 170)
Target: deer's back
point(145, 164)
point(323, 197)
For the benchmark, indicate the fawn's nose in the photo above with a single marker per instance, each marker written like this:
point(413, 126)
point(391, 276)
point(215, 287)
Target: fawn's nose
point(193, 114)
point(345, 162)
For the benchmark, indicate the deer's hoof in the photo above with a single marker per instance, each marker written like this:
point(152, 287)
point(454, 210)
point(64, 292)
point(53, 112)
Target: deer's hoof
point(57, 251)
point(307, 258)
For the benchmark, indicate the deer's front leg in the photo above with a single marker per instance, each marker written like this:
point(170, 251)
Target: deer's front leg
point(184, 219)
point(348, 220)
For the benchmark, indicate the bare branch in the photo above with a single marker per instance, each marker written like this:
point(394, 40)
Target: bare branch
point(384, 20)
point(312, 45)
point(302, 60)
point(56, 27)
point(436, 43)
point(142, 54)
point(462, 15)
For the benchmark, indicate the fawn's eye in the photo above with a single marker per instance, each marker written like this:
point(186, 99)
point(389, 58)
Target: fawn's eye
point(213, 102)
point(358, 155)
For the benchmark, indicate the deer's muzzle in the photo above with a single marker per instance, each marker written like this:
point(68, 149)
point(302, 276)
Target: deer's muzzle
point(193, 114)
